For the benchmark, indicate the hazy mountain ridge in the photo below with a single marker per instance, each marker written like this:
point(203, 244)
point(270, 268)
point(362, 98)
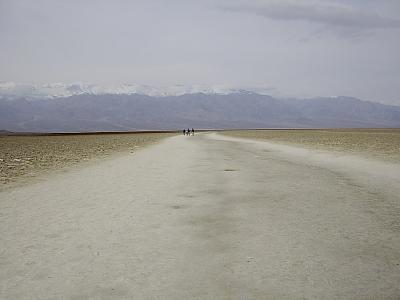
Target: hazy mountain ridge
point(12, 90)
point(238, 110)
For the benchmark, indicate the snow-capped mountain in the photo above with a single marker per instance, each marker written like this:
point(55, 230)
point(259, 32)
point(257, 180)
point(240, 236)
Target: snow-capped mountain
point(57, 90)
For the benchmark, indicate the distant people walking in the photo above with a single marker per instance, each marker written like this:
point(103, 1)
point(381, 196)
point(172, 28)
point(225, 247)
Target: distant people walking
point(188, 131)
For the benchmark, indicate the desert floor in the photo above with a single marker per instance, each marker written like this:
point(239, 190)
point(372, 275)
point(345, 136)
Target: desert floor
point(206, 217)
point(27, 157)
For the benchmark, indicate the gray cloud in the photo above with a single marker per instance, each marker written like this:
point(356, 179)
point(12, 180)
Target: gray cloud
point(301, 47)
point(328, 14)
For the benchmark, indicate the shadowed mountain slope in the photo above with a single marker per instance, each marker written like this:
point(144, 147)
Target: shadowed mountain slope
point(239, 110)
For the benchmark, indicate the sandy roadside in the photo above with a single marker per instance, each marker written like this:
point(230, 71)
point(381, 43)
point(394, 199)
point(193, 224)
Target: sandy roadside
point(205, 217)
point(24, 159)
point(372, 143)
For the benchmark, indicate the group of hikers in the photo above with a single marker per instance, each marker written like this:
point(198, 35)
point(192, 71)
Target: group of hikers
point(188, 131)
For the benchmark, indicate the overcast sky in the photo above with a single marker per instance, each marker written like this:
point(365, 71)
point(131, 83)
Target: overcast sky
point(294, 47)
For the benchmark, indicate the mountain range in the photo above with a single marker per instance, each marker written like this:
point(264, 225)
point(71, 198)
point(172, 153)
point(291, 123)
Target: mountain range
point(12, 90)
point(233, 109)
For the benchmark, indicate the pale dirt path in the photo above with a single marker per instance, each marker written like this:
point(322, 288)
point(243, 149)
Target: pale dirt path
point(205, 217)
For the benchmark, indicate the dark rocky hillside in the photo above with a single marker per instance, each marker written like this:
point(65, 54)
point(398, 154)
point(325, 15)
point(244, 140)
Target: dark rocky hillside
point(239, 110)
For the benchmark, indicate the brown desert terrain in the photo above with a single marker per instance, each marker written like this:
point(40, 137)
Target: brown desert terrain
point(26, 156)
point(383, 144)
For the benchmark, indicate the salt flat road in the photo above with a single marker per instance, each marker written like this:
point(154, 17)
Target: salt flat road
point(206, 217)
